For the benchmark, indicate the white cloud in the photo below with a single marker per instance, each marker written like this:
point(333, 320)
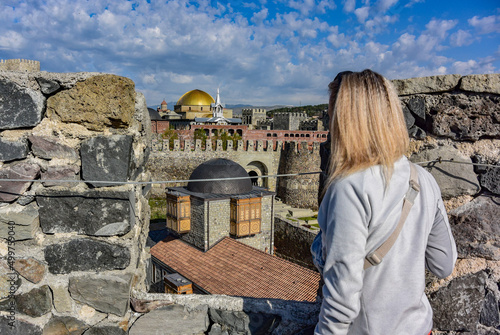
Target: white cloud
point(461, 38)
point(384, 5)
point(362, 13)
point(349, 5)
point(440, 28)
point(486, 25)
point(260, 16)
point(12, 40)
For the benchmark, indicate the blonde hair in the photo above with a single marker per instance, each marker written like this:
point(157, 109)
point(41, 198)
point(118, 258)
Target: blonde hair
point(367, 126)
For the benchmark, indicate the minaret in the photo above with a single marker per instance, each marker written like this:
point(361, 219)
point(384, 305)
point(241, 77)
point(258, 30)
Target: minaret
point(217, 107)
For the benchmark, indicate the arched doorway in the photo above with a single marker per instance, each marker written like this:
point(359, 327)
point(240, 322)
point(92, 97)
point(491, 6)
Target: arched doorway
point(256, 169)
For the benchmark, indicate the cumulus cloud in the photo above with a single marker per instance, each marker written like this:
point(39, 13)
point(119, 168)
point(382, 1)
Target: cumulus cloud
point(283, 51)
point(486, 25)
point(461, 38)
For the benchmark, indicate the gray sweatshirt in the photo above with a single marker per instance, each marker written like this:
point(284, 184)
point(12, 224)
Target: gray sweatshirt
point(356, 215)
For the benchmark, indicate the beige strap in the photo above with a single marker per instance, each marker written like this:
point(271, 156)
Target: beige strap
point(376, 257)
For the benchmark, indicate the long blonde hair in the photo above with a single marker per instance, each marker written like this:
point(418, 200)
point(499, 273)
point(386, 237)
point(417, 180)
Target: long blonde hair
point(367, 126)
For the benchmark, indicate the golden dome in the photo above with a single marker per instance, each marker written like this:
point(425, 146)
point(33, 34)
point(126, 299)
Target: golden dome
point(196, 98)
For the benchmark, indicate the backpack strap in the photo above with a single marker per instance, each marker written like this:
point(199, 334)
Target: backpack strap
point(376, 257)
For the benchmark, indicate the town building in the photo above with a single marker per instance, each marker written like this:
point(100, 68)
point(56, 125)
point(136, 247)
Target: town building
point(220, 240)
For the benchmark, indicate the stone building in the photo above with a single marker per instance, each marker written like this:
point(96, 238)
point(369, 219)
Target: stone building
point(221, 240)
point(253, 116)
point(205, 212)
point(288, 121)
point(312, 125)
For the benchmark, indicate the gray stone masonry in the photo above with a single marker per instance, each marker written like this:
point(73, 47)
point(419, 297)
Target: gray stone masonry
point(93, 212)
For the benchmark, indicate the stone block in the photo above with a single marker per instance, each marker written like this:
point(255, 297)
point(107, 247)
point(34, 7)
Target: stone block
point(85, 255)
point(172, 320)
point(481, 83)
point(25, 220)
point(93, 212)
point(105, 330)
point(453, 179)
point(30, 268)
point(489, 177)
point(11, 190)
point(64, 325)
point(106, 158)
point(9, 280)
point(457, 307)
point(19, 107)
point(61, 299)
point(476, 229)
point(100, 102)
point(300, 212)
point(244, 323)
point(108, 294)
point(20, 327)
point(417, 106)
point(409, 118)
point(66, 172)
point(48, 86)
point(12, 150)
point(464, 117)
point(34, 303)
point(47, 147)
point(490, 315)
point(426, 84)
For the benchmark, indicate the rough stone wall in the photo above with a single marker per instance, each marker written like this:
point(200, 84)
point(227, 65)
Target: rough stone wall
point(218, 220)
point(458, 118)
point(198, 235)
point(293, 241)
point(299, 191)
point(23, 65)
point(71, 252)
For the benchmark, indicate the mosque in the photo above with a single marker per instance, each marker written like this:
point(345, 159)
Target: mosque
point(197, 107)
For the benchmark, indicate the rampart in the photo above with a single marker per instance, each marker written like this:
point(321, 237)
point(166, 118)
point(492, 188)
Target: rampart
point(23, 65)
point(78, 257)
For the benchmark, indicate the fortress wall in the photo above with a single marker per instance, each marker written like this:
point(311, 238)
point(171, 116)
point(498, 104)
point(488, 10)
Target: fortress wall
point(178, 162)
point(71, 253)
point(23, 65)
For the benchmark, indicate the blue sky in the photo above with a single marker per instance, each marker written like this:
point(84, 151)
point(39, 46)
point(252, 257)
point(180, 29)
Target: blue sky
point(258, 52)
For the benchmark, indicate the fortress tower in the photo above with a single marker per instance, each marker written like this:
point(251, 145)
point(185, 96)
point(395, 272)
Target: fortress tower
point(22, 65)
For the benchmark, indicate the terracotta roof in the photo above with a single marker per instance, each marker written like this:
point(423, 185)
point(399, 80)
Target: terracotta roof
point(233, 268)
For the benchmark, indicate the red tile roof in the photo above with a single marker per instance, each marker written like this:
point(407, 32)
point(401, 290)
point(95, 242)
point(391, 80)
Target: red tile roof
point(233, 268)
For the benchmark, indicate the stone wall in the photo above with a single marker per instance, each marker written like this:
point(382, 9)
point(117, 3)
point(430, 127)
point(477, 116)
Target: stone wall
point(71, 252)
point(299, 191)
point(23, 65)
point(179, 162)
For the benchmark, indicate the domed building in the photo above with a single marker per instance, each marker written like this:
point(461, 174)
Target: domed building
point(206, 211)
point(221, 241)
point(197, 104)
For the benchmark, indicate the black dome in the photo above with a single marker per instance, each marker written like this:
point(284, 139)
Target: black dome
point(220, 168)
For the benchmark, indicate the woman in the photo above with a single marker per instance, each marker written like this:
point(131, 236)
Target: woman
point(367, 181)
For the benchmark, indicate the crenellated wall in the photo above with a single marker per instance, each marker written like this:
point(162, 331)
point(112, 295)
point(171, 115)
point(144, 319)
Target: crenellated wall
point(71, 252)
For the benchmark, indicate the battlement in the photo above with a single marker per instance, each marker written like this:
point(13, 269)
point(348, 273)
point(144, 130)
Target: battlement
point(291, 114)
point(165, 145)
point(23, 65)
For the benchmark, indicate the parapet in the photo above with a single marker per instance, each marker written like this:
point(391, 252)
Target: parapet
point(23, 65)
